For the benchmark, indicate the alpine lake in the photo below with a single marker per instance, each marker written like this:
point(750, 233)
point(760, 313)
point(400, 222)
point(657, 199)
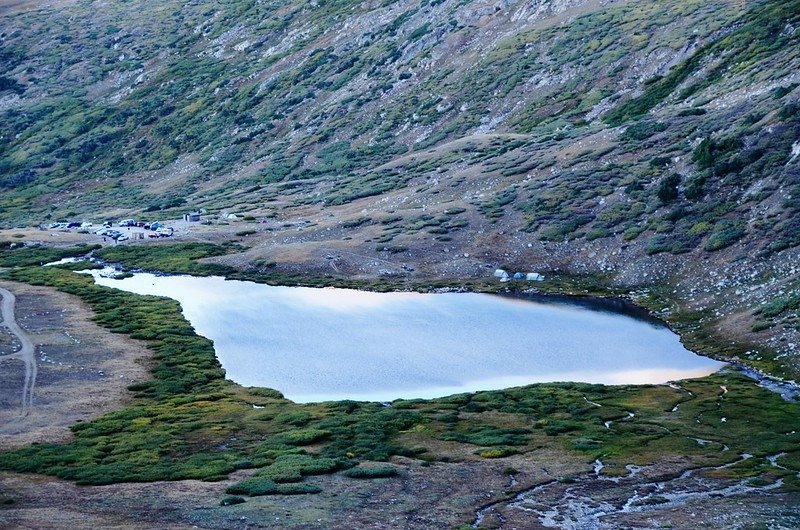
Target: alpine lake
point(332, 344)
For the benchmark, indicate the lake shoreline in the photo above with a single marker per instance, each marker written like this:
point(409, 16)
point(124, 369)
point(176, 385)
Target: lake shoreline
point(457, 433)
point(652, 302)
point(333, 344)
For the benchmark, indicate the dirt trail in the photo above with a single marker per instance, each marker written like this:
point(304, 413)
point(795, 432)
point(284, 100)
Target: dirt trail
point(25, 353)
point(72, 369)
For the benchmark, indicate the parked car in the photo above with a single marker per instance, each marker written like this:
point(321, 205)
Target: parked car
point(86, 224)
point(73, 225)
point(122, 237)
point(107, 224)
point(164, 231)
point(127, 222)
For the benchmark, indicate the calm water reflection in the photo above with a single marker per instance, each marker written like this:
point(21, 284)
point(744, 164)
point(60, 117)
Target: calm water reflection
point(331, 344)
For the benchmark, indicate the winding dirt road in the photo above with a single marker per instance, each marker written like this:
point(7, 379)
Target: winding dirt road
point(25, 353)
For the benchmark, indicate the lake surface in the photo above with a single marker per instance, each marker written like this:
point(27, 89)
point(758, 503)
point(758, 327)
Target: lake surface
point(332, 344)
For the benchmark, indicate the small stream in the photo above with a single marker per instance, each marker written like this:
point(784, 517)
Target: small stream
point(788, 390)
point(584, 503)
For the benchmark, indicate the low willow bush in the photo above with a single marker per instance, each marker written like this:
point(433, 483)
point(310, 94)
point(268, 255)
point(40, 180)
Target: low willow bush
point(177, 258)
point(188, 422)
point(19, 255)
point(371, 472)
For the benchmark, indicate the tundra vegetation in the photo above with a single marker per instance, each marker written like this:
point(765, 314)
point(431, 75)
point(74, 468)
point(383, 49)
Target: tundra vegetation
point(664, 133)
point(190, 422)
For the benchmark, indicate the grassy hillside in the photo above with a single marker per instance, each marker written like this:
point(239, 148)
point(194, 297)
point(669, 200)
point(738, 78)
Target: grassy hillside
point(239, 104)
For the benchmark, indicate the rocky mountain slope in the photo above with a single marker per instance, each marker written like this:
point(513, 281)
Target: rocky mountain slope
point(646, 143)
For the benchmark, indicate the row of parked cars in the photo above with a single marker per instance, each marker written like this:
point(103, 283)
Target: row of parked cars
point(156, 230)
point(59, 226)
point(116, 235)
point(106, 230)
point(156, 226)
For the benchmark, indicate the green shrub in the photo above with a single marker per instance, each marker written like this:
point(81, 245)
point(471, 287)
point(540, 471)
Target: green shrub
point(392, 249)
point(585, 444)
point(497, 452)
point(554, 428)
point(643, 130)
point(597, 233)
point(489, 435)
point(171, 258)
point(779, 305)
point(668, 188)
point(20, 255)
point(300, 488)
point(293, 467)
point(658, 244)
point(371, 472)
point(725, 234)
point(356, 222)
point(700, 228)
point(231, 501)
point(305, 436)
point(265, 392)
point(693, 111)
point(391, 219)
point(761, 325)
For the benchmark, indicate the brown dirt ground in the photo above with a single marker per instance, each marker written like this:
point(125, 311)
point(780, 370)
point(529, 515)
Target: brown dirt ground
point(83, 370)
point(443, 495)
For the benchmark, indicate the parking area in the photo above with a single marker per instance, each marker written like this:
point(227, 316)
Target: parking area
point(118, 232)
